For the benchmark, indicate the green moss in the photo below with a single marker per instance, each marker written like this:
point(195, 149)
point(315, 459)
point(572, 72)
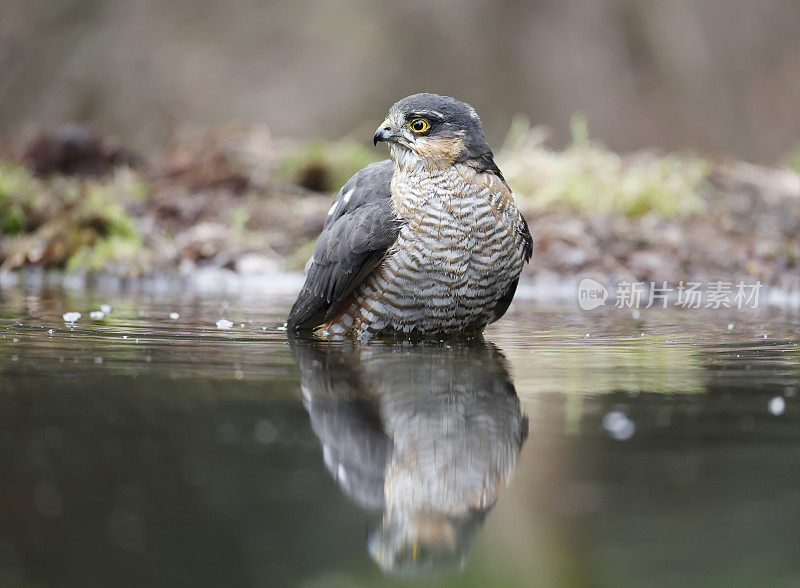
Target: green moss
point(67, 221)
point(13, 219)
point(792, 254)
point(101, 251)
point(17, 195)
point(108, 231)
point(239, 218)
point(324, 166)
point(587, 177)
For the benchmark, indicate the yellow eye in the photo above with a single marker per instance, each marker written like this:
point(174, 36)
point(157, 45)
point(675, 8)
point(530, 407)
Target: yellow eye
point(419, 125)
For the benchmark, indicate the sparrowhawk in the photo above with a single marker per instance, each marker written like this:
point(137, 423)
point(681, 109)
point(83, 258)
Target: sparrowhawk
point(427, 243)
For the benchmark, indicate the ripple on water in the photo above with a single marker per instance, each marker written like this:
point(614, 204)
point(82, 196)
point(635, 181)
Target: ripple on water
point(157, 434)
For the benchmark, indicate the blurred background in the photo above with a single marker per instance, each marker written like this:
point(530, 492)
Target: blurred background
point(715, 76)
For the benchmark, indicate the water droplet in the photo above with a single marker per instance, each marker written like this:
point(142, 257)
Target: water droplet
point(71, 317)
point(730, 326)
point(174, 316)
point(224, 324)
point(776, 406)
point(106, 308)
point(618, 425)
point(97, 315)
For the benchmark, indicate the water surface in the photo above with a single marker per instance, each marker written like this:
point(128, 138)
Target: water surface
point(566, 449)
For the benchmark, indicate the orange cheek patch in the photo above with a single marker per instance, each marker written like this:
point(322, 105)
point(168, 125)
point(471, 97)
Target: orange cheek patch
point(443, 150)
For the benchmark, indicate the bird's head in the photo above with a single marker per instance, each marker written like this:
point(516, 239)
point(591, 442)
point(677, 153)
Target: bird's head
point(434, 131)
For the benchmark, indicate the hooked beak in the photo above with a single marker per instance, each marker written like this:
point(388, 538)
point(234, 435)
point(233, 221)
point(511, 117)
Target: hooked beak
point(384, 133)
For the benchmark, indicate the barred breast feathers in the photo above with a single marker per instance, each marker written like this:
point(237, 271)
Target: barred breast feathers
point(456, 261)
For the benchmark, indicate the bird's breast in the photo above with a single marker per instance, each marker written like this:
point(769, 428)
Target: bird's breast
point(457, 253)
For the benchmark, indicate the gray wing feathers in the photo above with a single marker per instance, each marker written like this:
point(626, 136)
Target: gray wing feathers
point(370, 184)
point(361, 227)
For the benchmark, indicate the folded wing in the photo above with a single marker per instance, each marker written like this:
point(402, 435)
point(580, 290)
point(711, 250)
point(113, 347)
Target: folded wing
point(360, 228)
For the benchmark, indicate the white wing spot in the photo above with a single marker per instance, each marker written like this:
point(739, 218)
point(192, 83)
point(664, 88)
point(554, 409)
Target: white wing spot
point(347, 197)
point(333, 208)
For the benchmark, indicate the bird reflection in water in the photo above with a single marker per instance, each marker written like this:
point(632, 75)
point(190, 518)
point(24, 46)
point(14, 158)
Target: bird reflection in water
point(426, 435)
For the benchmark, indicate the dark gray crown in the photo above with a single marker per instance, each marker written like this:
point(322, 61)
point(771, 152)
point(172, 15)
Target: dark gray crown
point(448, 117)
